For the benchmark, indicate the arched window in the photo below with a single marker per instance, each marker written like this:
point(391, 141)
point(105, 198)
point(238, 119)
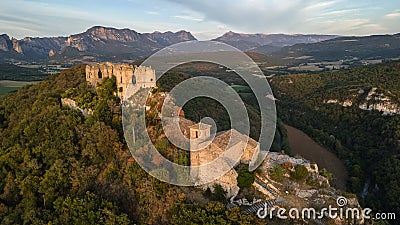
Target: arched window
point(133, 80)
point(99, 74)
point(121, 79)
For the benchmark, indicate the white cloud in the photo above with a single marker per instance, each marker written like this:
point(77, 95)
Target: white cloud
point(393, 15)
point(350, 27)
point(340, 12)
point(343, 17)
point(321, 5)
point(184, 17)
point(272, 16)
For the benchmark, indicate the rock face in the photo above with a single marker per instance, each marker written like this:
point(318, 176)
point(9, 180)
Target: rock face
point(38, 48)
point(5, 43)
point(72, 105)
point(381, 102)
point(375, 100)
point(125, 74)
point(51, 53)
point(16, 46)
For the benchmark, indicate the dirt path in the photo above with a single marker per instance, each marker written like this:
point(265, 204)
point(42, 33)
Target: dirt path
point(304, 146)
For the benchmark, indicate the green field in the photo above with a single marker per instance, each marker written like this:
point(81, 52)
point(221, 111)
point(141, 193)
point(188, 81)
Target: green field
point(7, 86)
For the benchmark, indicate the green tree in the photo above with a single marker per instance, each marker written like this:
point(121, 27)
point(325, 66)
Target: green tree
point(277, 173)
point(300, 173)
point(245, 178)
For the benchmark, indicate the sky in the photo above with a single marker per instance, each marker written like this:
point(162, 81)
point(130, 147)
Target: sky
point(205, 19)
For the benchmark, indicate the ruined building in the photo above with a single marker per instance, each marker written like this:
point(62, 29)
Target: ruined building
point(208, 148)
point(141, 76)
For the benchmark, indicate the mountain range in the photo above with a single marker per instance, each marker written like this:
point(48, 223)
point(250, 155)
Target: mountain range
point(117, 45)
point(345, 48)
point(268, 43)
point(97, 43)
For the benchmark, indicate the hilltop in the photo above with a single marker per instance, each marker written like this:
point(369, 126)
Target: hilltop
point(60, 165)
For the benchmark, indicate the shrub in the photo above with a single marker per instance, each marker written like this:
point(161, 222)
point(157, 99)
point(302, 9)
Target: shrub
point(277, 173)
point(245, 177)
point(300, 173)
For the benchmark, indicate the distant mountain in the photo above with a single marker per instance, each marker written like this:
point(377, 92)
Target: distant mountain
point(97, 43)
point(5, 43)
point(271, 42)
point(117, 45)
point(369, 47)
point(266, 49)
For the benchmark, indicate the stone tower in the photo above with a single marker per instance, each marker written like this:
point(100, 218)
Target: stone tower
point(199, 134)
point(144, 77)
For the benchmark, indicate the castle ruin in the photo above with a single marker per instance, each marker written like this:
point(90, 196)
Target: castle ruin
point(205, 148)
point(144, 77)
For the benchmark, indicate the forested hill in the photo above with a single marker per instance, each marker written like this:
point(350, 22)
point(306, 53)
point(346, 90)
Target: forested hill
point(346, 48)
point(13, 72)
point(58, 167)
point(349, 84)
point(345, 112)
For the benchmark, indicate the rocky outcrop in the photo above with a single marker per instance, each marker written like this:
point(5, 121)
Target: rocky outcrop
point(16, 46)
point(379, 101)
point(67, 102)
point(38, 48)
point(51, 53)
point(374, 100)
point(5, 43)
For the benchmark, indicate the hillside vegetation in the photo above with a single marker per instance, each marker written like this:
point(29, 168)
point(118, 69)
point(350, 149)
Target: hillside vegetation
point(366, 140)
point(344, 48)
point(58, 167)
point(13, 72)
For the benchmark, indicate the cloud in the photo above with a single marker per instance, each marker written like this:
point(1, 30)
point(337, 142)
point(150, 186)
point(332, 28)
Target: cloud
point(153, 13)
point(187, 18)
point(350, 26)
point(259, 15)
point(393, 15)
point(321, 5)
point(340, 12)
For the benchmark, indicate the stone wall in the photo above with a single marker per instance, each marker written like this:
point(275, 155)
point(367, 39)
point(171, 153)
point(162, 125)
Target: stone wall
point(72, 105)
point(125, 74)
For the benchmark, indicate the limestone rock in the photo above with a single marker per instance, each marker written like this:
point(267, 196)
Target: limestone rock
point(16, 46)
point(52, 53)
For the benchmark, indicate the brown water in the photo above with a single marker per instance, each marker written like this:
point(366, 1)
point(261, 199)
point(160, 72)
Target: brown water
point(304, 146)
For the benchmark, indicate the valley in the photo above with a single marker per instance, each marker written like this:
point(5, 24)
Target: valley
point(303, 146)
point(7, 86)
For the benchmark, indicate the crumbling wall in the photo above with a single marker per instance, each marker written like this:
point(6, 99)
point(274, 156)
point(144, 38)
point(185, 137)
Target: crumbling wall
point(125, 74)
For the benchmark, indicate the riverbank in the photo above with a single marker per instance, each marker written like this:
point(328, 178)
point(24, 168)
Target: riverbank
point(302, 145)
